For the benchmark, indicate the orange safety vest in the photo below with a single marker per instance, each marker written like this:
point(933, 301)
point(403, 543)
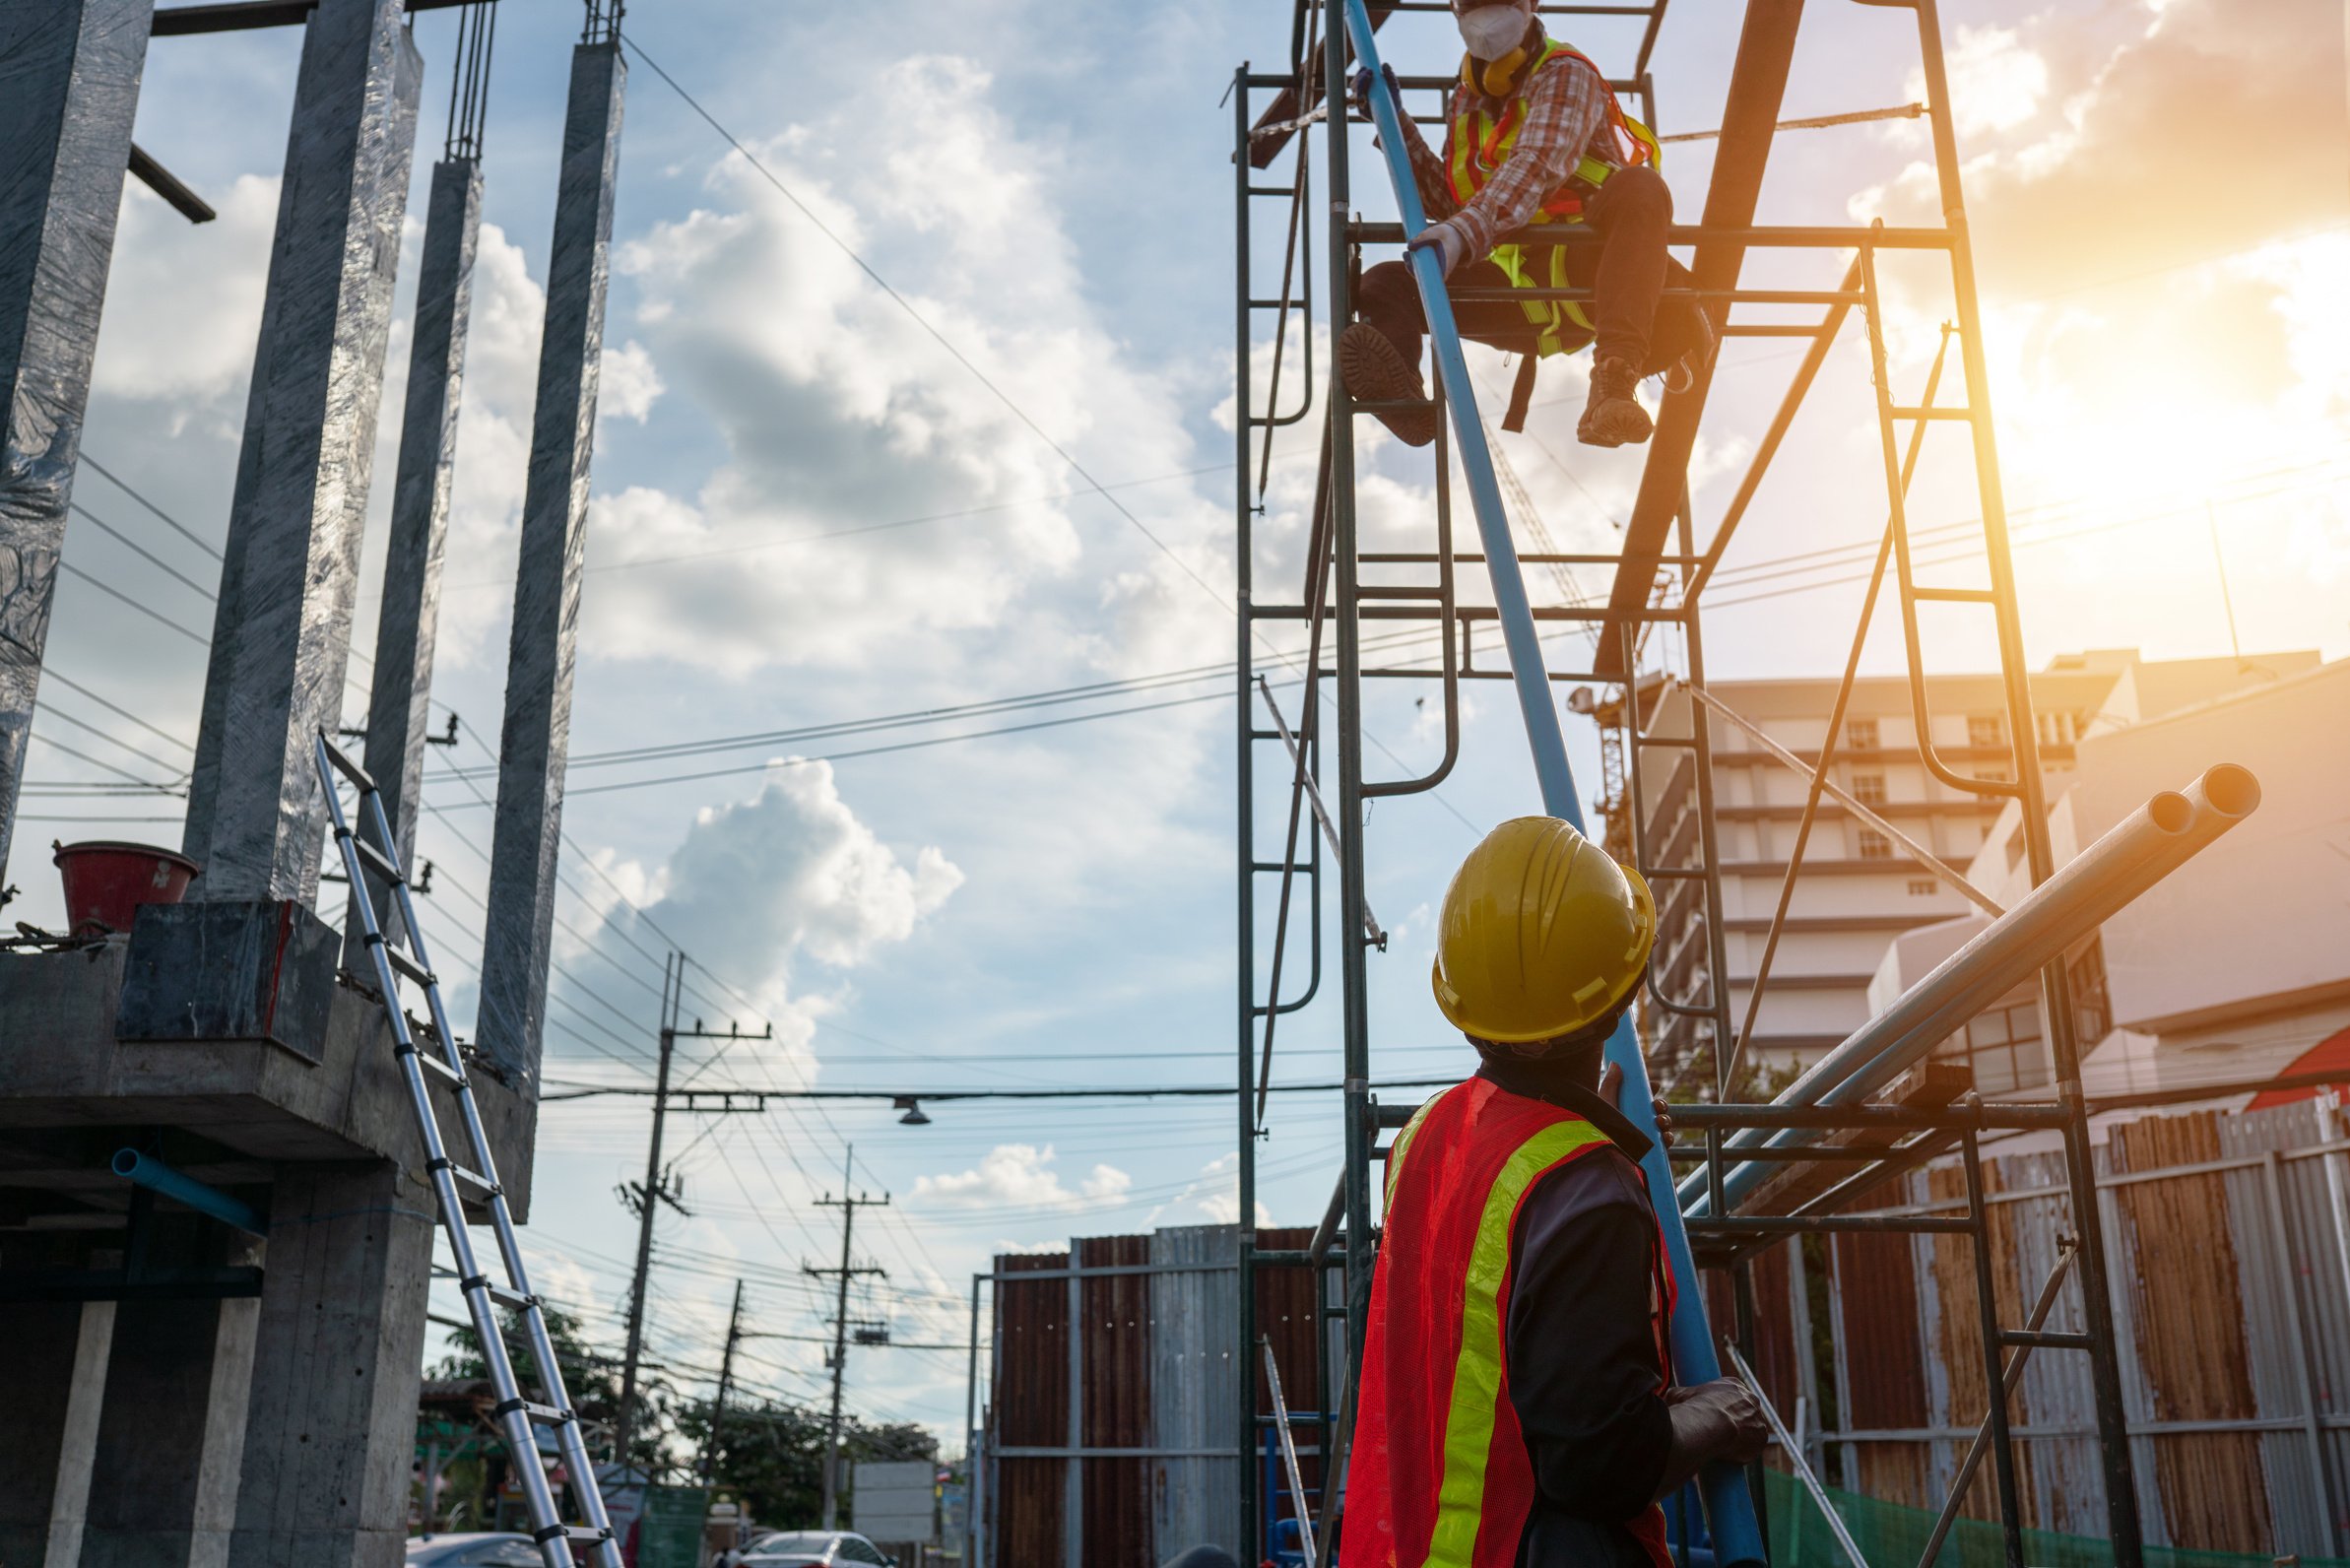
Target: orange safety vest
point(1440, 1477)
point(1477, 144)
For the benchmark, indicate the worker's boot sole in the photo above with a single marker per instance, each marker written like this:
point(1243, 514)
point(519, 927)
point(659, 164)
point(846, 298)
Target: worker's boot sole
point(1376, 371)
point(1615, 421)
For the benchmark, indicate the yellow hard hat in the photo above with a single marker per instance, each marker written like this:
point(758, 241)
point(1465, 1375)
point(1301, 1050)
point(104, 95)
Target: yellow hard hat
point(1542, 932)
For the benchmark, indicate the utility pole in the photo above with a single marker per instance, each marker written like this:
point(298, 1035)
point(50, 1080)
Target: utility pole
point(648, 1197)
point(659, 1187)
point(848, 1204)
point(726, 1377)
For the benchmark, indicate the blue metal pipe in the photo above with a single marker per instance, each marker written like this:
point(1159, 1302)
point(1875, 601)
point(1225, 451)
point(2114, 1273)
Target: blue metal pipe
point(157, 1177)
point(1729, 1508)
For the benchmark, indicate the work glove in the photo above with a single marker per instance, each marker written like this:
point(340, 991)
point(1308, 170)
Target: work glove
point(1447, 241)
point(1358, 86)
point(1721, 1421)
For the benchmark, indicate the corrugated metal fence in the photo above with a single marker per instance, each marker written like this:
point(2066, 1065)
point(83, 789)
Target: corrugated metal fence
point(2229, 1237)
point(1141, 1408)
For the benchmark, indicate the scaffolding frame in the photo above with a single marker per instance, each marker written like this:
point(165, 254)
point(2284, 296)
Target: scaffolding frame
point(1652, 586)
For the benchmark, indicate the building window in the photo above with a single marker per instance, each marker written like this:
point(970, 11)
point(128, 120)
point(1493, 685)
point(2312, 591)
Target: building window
point(1875, 846)
point(1859, 735)
point(2002, 1048)
point(1924, 886)
point(1869, 788)
point(2092, 1007)
point(1985, 731)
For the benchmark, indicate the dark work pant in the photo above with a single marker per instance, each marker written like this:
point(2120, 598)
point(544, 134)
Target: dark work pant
point(1626, 271)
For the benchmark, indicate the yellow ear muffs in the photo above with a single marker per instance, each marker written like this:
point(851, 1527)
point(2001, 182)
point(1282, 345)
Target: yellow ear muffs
point(1497, 77)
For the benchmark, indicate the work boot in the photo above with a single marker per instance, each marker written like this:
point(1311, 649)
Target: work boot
point(1376, 371)
point(1613, 416)
point(1681, 374)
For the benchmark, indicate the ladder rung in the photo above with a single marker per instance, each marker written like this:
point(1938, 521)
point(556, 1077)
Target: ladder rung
point(1932, 414)
point(346, 768)
point(375, 860)
point(586, 1532)
point(408, 968)
point(508, 1297)
point(1399, 591)
point(1954, 596)
point(1388, 405)
point(434, 1062)
point(1275, 304)
point(468, 1178)
point(544, 1415)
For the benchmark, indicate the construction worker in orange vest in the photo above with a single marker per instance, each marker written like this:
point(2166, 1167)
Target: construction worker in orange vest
point(1535, 137)
point(1517, 1408)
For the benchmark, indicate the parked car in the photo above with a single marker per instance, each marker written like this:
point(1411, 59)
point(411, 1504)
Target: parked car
point(488, 1549)
point(813, 1548)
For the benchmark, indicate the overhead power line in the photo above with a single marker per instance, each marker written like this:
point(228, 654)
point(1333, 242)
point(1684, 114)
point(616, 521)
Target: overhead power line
point(1158, 1091)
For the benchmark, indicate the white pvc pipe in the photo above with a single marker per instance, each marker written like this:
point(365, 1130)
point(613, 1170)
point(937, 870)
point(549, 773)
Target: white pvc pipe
point(2140, 851)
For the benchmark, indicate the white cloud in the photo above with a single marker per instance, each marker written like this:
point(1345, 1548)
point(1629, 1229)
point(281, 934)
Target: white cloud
point(1021, 1176)
point(627, 384)
point(1215, 1194)
point(839, 409)
point(183, 302)
point(1997, 81)
point(760, 886)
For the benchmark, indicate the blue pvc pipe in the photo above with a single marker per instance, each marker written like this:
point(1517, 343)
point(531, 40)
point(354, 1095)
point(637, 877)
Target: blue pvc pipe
point(153, 1174)
point(1729, 1509)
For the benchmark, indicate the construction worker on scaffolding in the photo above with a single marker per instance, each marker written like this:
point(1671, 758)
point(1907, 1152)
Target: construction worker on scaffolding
point(1516, 1408)
point(1534, 136)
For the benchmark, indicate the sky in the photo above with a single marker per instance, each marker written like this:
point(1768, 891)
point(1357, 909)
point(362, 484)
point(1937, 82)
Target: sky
point(921, 397)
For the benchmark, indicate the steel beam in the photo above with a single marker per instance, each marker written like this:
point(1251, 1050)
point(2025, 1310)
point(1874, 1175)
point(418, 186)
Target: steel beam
point(281, 634)
point(410, 614)
point(535, 741)
point(69, 87)
point(1757, 85)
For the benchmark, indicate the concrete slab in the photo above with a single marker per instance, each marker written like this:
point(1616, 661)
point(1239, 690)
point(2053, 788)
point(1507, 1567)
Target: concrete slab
point(62, 1067)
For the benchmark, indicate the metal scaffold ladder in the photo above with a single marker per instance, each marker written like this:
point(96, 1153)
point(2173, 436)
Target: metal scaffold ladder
point(404, 958)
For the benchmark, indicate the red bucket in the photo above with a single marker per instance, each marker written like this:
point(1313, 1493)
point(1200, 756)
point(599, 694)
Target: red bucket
point(105, 883)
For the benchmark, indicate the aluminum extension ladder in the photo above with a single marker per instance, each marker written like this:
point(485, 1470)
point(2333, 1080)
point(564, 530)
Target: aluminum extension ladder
point(515, 1414)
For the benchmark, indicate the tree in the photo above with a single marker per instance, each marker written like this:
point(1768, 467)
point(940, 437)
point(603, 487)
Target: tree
point(590, 1379)
point(770, 1455)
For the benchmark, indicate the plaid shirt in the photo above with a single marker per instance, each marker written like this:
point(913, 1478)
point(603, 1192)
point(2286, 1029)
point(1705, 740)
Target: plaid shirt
point(1566, 116)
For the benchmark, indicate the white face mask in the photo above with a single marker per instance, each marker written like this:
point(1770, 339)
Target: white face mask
point(1493, 30)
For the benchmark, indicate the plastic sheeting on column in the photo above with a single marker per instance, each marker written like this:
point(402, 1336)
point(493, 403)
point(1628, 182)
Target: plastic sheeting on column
point(408, 618)
point(69, 87)
point(282, 632)
point(534, 743)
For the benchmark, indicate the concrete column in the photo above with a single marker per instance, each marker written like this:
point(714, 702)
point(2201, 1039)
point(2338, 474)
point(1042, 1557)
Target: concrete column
point(77, 1450)
point(163, 1465)
point(68, 86)
point(331, 1427)
point(398, 707)
point(281, 634)
point(535, 740)
point(42, 1394)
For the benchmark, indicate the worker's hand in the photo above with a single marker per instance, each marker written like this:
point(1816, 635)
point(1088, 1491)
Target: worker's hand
point(1358, 86)
point(1452, 249)
point(1611, 1089)
point(1721, 1421)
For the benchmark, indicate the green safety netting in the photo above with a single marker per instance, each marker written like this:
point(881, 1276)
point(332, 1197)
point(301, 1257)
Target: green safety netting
point(1891, 1535)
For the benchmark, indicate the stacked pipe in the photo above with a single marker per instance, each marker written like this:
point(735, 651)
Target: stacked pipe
point(2140, 851)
